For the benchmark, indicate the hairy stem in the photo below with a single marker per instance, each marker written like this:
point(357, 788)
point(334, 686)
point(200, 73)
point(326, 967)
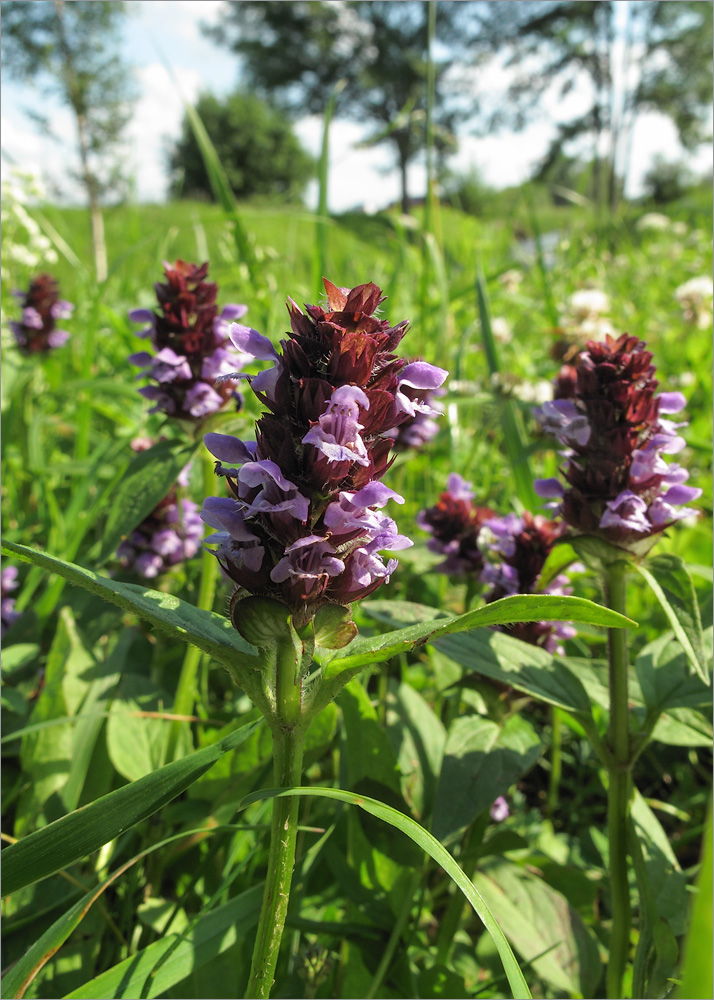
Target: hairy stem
point(618, 793)
point(288, 749)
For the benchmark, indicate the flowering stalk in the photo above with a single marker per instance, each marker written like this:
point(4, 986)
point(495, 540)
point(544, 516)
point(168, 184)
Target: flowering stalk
point(192, 354)
point(36, 332)
point(505, 554)
point(302, 531)
point(190, 340)
point(619, 496)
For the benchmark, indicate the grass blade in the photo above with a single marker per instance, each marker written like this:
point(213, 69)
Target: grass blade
point(422, 838)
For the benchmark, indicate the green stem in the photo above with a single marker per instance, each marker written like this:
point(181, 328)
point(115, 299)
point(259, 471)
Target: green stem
point(556, 760)
point(186, 689)
point(288, 750)
point(618, 793)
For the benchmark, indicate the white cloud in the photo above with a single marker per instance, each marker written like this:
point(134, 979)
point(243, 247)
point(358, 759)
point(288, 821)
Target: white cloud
point(157, 120)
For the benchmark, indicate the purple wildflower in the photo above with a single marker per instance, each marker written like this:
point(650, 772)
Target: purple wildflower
point(516, 549)
point(41, 307)
point(455, 524)
point(304, 523)
point(171, 533)
point(8, 583)
point(499, 810)
point(193, 352)
point(616, 429)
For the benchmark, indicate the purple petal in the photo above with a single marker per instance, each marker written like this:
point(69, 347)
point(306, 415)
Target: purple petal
point(251, 342)
point(58, 337)
point(230, 449)
point(141, 316)
point(374, 494)
point(225, 514)
point(31, 318)
point(671, 402)
point(548, 488)
point(232, 311)
point(202, 399)
point(142, 359)
point(61, 309)
point(422, 375)
point(679, 494)
point(626, 511)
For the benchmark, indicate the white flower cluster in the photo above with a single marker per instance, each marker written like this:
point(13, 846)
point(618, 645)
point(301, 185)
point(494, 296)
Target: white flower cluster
point(24, 244)
point(695, 297)
point(584, 318)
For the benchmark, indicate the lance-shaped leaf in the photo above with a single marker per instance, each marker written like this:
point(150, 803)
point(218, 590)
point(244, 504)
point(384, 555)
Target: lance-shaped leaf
point(368, 650)
point(672, 585)
point(212, 633)
point(146, 482)
point(500, 657)
point(52, 848)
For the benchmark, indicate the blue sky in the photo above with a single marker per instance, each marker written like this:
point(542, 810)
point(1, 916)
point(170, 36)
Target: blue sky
point(158, 29)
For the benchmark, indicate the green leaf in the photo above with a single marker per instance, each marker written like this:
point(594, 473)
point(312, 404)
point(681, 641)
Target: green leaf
point(683, 727)
point(418, 737)
point(16, 981)
point(665, 679)
point(498, 656)
point(147, 480)
point(672, 585)
point(212, 633)
point(137, 745)
point(481, 761)
point(46, 755)
point(509, 610)
point(697, 968)
point(52, 848)
point(14, 658)
point(666, 878)
point(542, 927)
point(436, 851)
point(213, 934)
point(519, 665)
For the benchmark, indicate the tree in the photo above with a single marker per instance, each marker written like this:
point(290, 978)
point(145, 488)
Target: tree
point(68, 48)
point(297, 51)
point(667, 180)
point(632, 57)
point(255, 143)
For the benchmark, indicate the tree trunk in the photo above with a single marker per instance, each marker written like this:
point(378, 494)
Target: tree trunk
point(403, 161)
point(99, 245)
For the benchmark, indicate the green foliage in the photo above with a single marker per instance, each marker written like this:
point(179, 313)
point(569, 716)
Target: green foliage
point(377, 51)
point(255, 143)
point(427, 738)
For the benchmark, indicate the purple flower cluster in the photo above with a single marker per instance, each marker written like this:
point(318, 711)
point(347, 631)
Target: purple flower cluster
point(41, 307)
point(505, 554)
point(304, 522)
point(615, 431)
point(193, 353)
point(455, 523)
point(8, 583)
point(515, 550)
point(170, 534)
